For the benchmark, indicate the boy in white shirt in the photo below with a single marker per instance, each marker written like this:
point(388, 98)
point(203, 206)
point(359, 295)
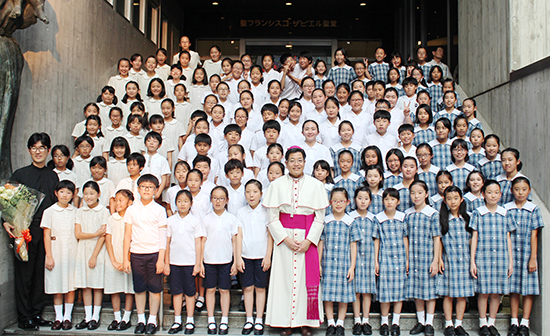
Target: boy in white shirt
point(269, 112)
point(155, 163)
point(406, 136)
point(410, 85)
point(135, 163)
point(381, 138)
point(203, 163)
point(144, 249)
point(234, 170)
point(271, 130)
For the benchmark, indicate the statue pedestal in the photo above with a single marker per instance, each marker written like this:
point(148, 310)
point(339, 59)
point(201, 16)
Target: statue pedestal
point(11, 67)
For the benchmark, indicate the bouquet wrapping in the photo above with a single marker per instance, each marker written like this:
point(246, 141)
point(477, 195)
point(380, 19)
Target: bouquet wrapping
point(18, 204)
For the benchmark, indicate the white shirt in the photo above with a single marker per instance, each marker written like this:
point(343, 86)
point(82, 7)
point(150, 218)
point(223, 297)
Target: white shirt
point(82, 170)
point(183, 232)
point(129, 184)
point(68, 175)
point(195, 95)
point(119, 84)
point(328, 133)
point(260, 93)
point(136, 142)
point(383, 142)
point(117, 170)
point(201, 204)
point(152, 106)
point(291, 135)
point(271, 75)
point(104, 110)
point(247, 176)
point(109, 134)
point(156, 165)
point(183, 113)
point(173, 130)
point(361, 123)
point(212, 68)
point(163, 71)
point(219, 232)
point(193, 62)
point(236, 199)
point(107, 188)
point(444, 67)
point(254, 226)
point(79, 129)
point(315, 153)
point(403, 101)
point(318, 117)
point(146, 221)
point(411, 152)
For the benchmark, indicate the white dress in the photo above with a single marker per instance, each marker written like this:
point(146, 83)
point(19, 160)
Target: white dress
point(116, 281)
point(90, 220)
point(61, 221)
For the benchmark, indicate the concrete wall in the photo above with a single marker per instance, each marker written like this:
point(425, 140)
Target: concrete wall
point(495, 38)
point(67, 64)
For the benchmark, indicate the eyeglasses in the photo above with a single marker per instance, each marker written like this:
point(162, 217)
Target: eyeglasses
point(218, 199)
point(421, 156)
point(148, 188)
point(39, 149)
point(339, 201)
point(458, 149)
point(293, 161)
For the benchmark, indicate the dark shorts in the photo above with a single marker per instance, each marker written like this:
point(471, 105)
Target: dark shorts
point(182, 280)
point(144, 273)
point(217, 275)
point(253, 274)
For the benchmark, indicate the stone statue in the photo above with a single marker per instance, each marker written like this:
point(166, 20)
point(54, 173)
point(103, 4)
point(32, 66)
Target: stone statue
point(14, 14)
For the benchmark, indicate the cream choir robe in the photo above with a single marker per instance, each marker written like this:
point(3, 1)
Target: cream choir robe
point(287, 299)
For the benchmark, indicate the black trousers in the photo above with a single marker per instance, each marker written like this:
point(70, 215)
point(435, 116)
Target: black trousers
point(29, 277)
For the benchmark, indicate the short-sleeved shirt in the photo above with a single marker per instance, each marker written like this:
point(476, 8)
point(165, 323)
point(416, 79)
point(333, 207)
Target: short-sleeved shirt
point(219, 232)
point(146, 220)
point(157, 165)
point(254, 225)
point(183, 232)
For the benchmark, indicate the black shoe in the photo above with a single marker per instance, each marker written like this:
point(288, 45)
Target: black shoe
point(56, 325)
point(28, 325)
point(357, 329)
point(340, 331)
point(140, 328)
point(523, 330)
point(39, 321)
point(367, 329)
point(247, 328)
point(176, 328)
point(395, 330)
point(124, 325)
point(212, 328)
point(93, 325)
point(459, 331)
point(67, 325)
point(484, 331)
point(259, 331)
point(493, 330)
point(417, 329)
point(150, 329)
point(449, 331)
point(331, 330)
point(429, 330)
point(513, 330)
point(225, 330)
point(384, 330)
point(189, 328)
point(82, 325)
point(113, 325)
point(199, 306)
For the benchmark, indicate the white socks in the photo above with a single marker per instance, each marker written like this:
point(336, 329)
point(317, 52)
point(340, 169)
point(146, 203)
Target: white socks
point(250, 319)
point(340, 323)
point(118, 316)
point(514, 321)
point(97, 311)
point(458, 323)
point(365, 320)
point(525, 322)
point(330, 322)
point(88, 312)
point(420, 316)
point(448, 323)
point(126, 317)
point(152, 320)
point(396, 318)
point(190, 320)
point(490, 321)
point(68, 311)
point(225, 319)
point(384, 320)
point(259, 320)
point(141, 318)
point(177, 319)
point(430, 319)
point(58, 312)
point(357, 320)
point(482, 322)
point(211, 319)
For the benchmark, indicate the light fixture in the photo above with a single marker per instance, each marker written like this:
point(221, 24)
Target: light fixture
point(349, 42)
point(215, 3)
point(232, 42)
point(289, 45)
point(419, 42)
point(289, 3)
point(363, 4)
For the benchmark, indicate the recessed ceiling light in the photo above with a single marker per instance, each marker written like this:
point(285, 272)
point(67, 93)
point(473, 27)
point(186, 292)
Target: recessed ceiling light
point(232, 42)
point(349, 42)
point(215, 3)
point(288, 46)
point(363, 4)
point(289, 3)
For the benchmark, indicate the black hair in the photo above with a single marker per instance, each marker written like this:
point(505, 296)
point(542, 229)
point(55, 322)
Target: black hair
point(392, 192)
point(345, 151)
point(148, 178)
point(204, 80)
point(378, 156)
point(327, 82)
point(489, 183)
point(345, 122)
point(312, 121)
point(467, 188)
point(515, 153)
point(317, 62)
point(98, 120)
point(171, 102)
point(344, 86)
point(183, 52)
point(444, 212)
point(98, 160)
point(215, 47)
point(138, 157)
point(446, 123)
point(125, 97)
point(256, 66)
point(339, 189)
point(434, 67)
point(219, 105)
point(116, 108)
point(177, 66)
point(267, 55)
point(270, 107)
point(427, 146)
point(426, 92)
point(450, 92)
point(203, 138)
point(271, 124)
point(153, 135)
point(224, 190)
point(383, 101)
point(186, 193)
point(254, 182)
point(90, 104)
point(242, 109)
point(156, 119)
point(448, 80)
point(355, 93)
point(295, 103)
point(428, 110)
point(521, 179)
point(239, 146)
point(275, 145)
point(284, 57)
point(135, 56)
point(81, 139)
point(195, 171)
point(345, 53)
point(325, 166)
point(405, 127)
point(111, 90)
point(424, 186)
point(441, 173)
point(388, 76)
point(278, 164)
point(200, 114)
point(380, 171)
point(245, 92)
point(382, 114)
point(410, 80)
point(120, 142)
point(126, 193)
point(233, 164)
point(66, 184)
point(491, 136)
point(161, 82)
point(397, 152)
point(306, 54)
point(459, 143)
point(202, 158)
point(66, 152)
point(93, 185)
point(232, 128)
point(133, 117)
point(369, 83)
point(334, 101)
point(182, 163)
point(293, 150)
point(362, 188)
point(413, 159)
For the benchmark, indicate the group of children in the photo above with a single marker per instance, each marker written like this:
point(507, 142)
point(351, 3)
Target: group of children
point(423, 204)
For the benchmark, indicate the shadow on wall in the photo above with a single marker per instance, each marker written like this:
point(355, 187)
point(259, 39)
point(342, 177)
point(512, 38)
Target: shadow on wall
point(44, 34)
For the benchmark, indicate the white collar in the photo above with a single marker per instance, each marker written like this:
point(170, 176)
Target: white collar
point(97, 208)
point(433, 169)
point(483, 210)
point(502, 177)
point(356, 215)
point(346, 219)
point(427, 210)
point(80, 159)
point(381, 217)
point(117, 216)
point(418, 129)
point(471, 197)
point(529, 206)
point(56, 207)
point(436, 198)
point(453, 167)
point(485, 160)
point(434, 142)
point(354, 177)
point(388, 174)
